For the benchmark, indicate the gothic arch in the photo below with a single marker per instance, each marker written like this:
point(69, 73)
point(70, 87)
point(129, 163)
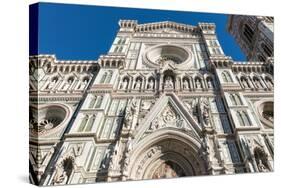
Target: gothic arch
point(124, 82)
point(186, 82)
point(209, 80)
point(162, 146)
point(244, 81)
point(226, 77)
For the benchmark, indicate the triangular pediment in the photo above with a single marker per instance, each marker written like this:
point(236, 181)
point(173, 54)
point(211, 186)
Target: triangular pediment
point(168, 113)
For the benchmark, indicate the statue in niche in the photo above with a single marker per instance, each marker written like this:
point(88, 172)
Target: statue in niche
point(185, 84)
point(126, 162)
point(63, 171)
point(124, 84)
point(111, 165)
point(261, 166)
point(257, 83)
point(67, 84)
point(83, 84)
point(150, 84)
point(116, 148)
point(128, 150)
point(106, 158)
point(138, 84)
point(205, 108)
point(169, 83)
point(269, 83)
point(244, 83)
point(210, 83)
point(205, 147)
point(129, 144)
point(130, 111)
point(198, 84)
point(52, 84)
point(60, 177)
point(114, 155)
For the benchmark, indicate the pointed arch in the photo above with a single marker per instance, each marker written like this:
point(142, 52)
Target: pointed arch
point(226, 76)
point(109, 76)
point(83, 123)
point(103, 77)
point(168, 145)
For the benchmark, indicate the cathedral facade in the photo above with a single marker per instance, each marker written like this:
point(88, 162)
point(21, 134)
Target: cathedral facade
point(165, 101)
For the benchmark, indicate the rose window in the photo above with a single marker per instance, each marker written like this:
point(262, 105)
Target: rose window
point(162, 54)
point(45, 119)
point(265, 110)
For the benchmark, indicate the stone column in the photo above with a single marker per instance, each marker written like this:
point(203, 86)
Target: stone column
point(131, 84)
point(144, 83)
point(161, 84)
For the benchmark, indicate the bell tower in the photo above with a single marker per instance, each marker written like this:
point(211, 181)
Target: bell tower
point(254, 34)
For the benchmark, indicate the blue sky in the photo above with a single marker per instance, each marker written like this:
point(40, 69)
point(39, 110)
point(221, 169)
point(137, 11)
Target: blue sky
point(82, 32)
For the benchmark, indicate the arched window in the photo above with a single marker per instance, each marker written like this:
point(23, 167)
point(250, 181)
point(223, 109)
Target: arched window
point(90, 124)
point(83, 123)
point(116, 49)
point(244, 82)
point(269, 82)
point(103, 77)
point(92, 102)
point(120, 49)
point(235, 99)
point(218, 51)
point(248, 33)
point(99, 101)
point(243, 118)
point(232, 98)
point(266, 49)
point(261, 58)
point(246, 118)
point(269, 19)
point(226, 77)
point(119, 41)
point(257, 82)
point(215, 43)
point(109, 77)
point(240, 119)
point(238, 99)
point(53, 83)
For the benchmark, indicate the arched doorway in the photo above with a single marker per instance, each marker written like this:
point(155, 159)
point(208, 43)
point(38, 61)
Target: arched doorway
point(168, 169)
point(166, 153)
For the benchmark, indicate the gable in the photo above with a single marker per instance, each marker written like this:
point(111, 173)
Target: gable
point(168, 113)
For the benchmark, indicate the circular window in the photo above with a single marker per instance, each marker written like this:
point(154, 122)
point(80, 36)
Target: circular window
point(161, 54)
point(266, 113)
point(44, 119)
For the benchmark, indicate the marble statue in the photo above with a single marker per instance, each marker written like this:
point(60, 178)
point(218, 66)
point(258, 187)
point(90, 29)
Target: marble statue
point(169, 83)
